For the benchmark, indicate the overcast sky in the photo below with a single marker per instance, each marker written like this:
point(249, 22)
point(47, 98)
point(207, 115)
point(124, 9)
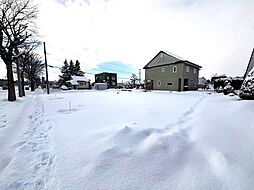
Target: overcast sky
point(124, 35)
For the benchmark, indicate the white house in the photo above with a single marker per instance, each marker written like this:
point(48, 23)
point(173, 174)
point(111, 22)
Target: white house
point(79, 82)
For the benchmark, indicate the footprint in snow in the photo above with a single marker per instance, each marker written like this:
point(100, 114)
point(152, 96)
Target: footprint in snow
point(19, 144)
point(39, 184)
point(45, 158)
point(3, 121)
point(3, 116)
point(2, 126)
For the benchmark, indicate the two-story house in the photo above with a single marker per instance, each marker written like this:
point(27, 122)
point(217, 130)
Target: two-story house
point(170, 72)
point(250, 64)
point(109, 78)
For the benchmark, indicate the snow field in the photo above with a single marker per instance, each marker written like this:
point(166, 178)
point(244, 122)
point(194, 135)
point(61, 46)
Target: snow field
point(128, 140)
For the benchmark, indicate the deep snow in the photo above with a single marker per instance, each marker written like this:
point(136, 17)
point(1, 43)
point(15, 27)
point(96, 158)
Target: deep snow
point(126, 140)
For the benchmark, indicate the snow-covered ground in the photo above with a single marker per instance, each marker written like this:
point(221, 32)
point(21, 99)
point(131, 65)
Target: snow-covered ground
point(106, 140)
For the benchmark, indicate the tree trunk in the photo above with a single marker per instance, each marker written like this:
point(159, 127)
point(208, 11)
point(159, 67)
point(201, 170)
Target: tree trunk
point(32, 85)
point(22, 83)
point(11, 87)
point(19, 79)
point(18, 74)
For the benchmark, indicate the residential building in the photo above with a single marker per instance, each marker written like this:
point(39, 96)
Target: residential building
point(202, 83)
point(79, 82)
point(250, 65)
point(3, 82)
point(109, 78)
point(100, 86)
point(170, 72)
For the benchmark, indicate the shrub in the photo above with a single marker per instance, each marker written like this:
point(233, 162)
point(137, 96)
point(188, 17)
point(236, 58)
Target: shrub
point(247, 88)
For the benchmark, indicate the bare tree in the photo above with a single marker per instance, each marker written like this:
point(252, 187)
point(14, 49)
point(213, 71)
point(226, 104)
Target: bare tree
point(24, 61)
point(134, 80)
point(16, 29)
point(32, 67)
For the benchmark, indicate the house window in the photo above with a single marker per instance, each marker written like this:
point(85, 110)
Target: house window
point(187, 69)
point(113, 78)
point(161, 55)
point(113, 83)
point(169, 83)
point(107, 77)
point(163, 69)
point(158, 83)
point(174, 69)
point(194, 70)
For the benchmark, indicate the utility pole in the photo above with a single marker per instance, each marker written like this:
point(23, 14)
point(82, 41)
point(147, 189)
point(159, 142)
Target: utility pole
point(139, 76)
point(46, 66)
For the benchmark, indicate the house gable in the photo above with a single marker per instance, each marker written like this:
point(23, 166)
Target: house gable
point(165, 58)
point(250, 64)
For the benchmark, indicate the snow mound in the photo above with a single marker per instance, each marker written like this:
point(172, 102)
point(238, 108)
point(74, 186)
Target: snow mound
point(63, 87)
point(153, 156)
point(39, 90)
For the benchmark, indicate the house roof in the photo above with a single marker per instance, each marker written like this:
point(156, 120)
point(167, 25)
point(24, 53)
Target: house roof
point(76, 79)
point(168, 58)
point(250, 64)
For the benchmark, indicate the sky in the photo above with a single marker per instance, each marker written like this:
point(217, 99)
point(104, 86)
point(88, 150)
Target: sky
point(124, 35)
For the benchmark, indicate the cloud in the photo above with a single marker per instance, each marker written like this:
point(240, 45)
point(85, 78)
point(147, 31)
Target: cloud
point(65, 2)
point(218, 35)
point(123, 71)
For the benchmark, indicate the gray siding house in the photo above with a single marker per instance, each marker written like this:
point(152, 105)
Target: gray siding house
point(169, 72)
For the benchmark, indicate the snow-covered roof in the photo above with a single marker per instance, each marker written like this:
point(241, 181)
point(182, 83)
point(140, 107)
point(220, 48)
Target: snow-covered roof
point(229, 78)
point(76, 79)
point(173, 55)
point(167, 58)
point(250, 64)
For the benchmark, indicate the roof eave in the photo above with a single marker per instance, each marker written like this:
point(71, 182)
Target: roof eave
point(177, 62)
point(251, 57)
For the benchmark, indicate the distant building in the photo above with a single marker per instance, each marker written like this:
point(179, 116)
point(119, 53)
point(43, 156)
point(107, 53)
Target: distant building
point(202, 83)
point(100, 86)
point(109, 78)
point(250, 65)
point(213, 79)
point(3, 82)
point(79, 82)
point(169, 72)
point(120, 85)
